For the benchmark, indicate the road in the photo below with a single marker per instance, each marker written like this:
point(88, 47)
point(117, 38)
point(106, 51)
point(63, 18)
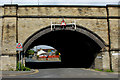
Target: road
point(67, 73)
point(32, 60)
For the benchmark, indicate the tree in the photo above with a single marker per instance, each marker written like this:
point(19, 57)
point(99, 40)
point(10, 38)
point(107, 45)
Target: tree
point(30, 52)
point(49, 51)
point(56, 53)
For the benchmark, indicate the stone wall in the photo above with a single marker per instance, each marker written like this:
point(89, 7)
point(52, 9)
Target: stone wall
point(28, 26)
point(113, 11)
point(8, 62)
point(14, 28)
point(9, 36)
point(99, 61)
point(61, 11)
point(10, 10)
point(0, 40)
point(115, 60)
point(1, 11)
point(114, 39)
point(114, 33)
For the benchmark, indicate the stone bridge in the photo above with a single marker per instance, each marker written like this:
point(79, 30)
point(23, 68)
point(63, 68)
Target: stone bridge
point(95, 39)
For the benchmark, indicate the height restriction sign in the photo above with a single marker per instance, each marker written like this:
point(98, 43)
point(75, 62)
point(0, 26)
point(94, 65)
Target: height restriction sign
point(19, 47)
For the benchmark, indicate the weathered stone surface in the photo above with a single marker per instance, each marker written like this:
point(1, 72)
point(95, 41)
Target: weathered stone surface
point(0, 33)
point(1, 11)
point(114, 33)
point(28, 26)
point(106, 60)
point(99, 62)
point(9, 36)
point(114, 11)
point(25, 27)
point(10, 10)
point(115, 60)
point(61, 11)
point(97, 26)
point(8, 62)
point(0, 40)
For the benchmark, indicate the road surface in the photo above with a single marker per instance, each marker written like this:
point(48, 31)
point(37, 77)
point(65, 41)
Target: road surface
point(67, 73)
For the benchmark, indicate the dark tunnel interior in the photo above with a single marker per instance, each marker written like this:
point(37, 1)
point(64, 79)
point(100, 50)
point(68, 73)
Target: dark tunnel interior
point(77, 50)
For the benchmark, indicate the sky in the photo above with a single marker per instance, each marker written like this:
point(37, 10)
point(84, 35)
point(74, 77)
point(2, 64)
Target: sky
point(59, 2)
point(42, 47)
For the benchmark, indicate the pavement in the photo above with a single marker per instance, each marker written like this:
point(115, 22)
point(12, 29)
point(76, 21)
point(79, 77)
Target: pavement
point(62, 73)
point(18, 73)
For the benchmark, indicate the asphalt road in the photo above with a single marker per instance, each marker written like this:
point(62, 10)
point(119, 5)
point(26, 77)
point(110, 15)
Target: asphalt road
point(67, 73)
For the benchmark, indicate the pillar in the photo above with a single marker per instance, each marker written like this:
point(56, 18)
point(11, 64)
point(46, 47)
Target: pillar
point(8, 56)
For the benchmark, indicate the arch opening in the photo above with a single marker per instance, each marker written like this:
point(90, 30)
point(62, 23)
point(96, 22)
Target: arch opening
point(77, 49)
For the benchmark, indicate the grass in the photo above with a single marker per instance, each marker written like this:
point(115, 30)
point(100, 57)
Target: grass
point(107, 70)
point(98, 69)
point(23, 68)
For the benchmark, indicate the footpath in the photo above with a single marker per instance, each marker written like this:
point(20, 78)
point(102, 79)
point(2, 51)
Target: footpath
point(15, 73)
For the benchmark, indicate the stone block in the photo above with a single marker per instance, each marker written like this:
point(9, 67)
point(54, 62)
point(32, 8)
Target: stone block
point(8, 62)
point(115, 60)
point(106, 60)
point(9, 36)
point(114, 32)
point(61, 11)
point(98, 61)
point(114, 11)
point(1, 11)
point(10, 10)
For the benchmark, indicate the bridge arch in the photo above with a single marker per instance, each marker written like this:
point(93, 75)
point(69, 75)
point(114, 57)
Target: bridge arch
point(80, 29)
point(89, 42)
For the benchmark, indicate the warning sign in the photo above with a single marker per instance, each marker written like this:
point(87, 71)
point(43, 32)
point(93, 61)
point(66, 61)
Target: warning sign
point(63, 23)
point(19, 47)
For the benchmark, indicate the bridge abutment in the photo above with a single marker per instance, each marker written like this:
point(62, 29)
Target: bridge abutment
point(8, 62)
point(102, 60)
point(115, 55)
point(8, 56)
